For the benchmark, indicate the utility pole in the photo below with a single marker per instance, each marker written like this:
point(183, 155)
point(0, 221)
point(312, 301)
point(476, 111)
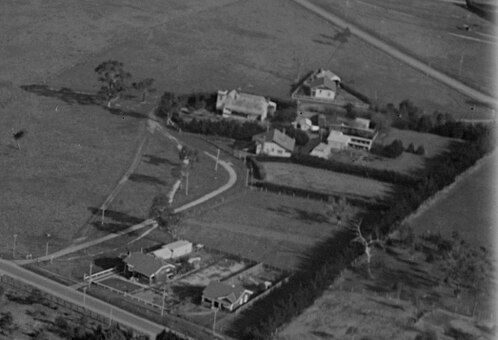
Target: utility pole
point(102, 220)
point(247, 177)
point(110, 317)
point(214, 321)
point(460, 66)
point(46, 248)
point(217, 159)
point(186, 184)
point(14, 247)
point(90, 277)
point(162, 307)
point(84, 296)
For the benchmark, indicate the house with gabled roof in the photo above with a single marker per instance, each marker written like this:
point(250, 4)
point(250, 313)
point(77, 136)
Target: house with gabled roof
point(236, 104)
point(223, 295)
point(147, 266)
point(324, 85)
point(274, 143)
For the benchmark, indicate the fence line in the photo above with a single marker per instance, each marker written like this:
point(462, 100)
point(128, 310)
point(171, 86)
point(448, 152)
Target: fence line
point(102, 273)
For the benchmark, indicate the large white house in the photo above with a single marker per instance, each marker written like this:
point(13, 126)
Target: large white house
point(274, 143)
point(243, 105)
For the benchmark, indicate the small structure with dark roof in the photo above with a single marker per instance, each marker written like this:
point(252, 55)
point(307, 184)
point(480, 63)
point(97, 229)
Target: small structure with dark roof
point(147, 266)
point(274, 143)
point(222, 295)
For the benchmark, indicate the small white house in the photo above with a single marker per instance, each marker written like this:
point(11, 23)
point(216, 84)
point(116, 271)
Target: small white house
point(322, 150)
point(174, 250)
point(244, 105)
point(274, 143)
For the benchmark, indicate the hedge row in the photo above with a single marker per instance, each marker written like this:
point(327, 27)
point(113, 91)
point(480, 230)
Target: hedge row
point(328, 259)
point(353, 169)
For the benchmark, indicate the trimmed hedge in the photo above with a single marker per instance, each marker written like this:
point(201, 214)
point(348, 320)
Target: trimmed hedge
point(353, 169)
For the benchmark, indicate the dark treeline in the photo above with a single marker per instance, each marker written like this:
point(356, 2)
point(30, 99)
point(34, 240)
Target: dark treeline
point(328, 259)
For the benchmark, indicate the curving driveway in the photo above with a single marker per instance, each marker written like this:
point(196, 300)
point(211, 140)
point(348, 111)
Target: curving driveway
point(152, 126)
point(394, 52)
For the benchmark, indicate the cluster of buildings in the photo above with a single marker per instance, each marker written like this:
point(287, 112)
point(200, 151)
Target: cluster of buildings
point(322, 85)
point(158, 266)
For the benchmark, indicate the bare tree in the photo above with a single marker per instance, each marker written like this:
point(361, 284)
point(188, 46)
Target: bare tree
point(367, 242)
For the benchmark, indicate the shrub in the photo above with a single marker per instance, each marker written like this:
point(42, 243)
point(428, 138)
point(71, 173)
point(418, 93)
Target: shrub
point(420, 150)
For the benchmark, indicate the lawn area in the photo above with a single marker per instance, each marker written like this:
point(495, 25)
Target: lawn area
point(73, 155)
point(469, 207)
point(433, 144)
point(324, 181)
point(263, 227)
point(120, 284)
point(48, 185)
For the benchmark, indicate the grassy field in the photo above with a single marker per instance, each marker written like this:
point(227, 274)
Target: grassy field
point(320, 180)
point(275, 229)
point(356, 307)
point(429, 30)
point(73, 154)
point(469, 208)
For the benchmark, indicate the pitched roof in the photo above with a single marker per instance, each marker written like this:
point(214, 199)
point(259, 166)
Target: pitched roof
point(327, 74)
point(276, 137)
point(218, 290)
point(145, 264)
point(323, 82)
point(177, 245)
point(246, 103)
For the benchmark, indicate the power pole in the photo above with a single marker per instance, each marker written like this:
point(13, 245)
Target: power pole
point(14, 246)
point(186, 184)
point(214, 321)
point(217, 159)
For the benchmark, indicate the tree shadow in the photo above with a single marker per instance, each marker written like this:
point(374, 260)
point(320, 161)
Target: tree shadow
point(116, 216)
point(484, 11)
point(145, 179)
point(194, 293)
point(108, 262)
point(65, 94)
point(125, 113)
point(71, 97)
point(321, 42)
point(154, 160)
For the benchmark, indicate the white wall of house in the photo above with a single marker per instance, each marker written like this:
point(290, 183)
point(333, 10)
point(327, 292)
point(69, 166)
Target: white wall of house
point(323, 93)
point(272, 149)
point(322, 151)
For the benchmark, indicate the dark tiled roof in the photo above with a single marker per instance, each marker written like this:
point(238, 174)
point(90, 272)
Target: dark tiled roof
point(277, 137)
point(217, 290)
point(145, 264)
point(323, 82)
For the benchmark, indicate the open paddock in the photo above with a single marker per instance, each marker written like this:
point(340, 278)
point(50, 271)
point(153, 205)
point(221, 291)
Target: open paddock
point(263, 227)
point(324, 181)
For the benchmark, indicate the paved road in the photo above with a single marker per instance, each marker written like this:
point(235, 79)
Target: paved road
point(73, 296)
point(394, 52)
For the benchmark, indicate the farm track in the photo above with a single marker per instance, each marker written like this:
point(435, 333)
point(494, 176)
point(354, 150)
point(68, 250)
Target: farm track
point(398, 54)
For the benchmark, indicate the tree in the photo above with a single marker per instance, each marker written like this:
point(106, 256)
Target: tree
point(16, 136)
point(367, 243)
point(467, 267)
point(350, 113)
point(114, 77)
point(6, 321)
point(41, 334)
point(410, 148)
point(145, 86)
point(420, 150)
